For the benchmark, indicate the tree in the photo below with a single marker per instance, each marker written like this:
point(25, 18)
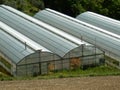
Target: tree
point(109, 8)
point(25, 5)
point(37, 3)
point(1, 1)
point(114, 8)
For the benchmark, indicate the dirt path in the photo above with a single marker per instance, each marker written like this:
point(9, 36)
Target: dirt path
point(83, 83)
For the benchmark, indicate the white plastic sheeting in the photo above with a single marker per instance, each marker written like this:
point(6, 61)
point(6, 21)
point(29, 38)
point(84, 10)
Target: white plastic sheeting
point(52, 42)
point(12, 48)
point(48, 27)
point(104, 40)
point(101, 21)
point(22, 38)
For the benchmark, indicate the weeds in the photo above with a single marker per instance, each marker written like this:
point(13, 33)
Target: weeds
point(89, 72)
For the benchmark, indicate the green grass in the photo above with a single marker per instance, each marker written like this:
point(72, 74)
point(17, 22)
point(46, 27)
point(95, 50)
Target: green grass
point(5, 62)
point(96, 71)
point(90, 72)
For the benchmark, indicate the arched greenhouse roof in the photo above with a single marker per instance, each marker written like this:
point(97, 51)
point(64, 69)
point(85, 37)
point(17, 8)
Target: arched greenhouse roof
point(40, 35)
point(101, 21)
point(48, 27)
point(89, 33)
point(12, 48)
point(33, 45)
point(17, 47)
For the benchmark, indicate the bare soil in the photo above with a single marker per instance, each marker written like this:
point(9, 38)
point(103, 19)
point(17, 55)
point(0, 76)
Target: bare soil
point(81, 83)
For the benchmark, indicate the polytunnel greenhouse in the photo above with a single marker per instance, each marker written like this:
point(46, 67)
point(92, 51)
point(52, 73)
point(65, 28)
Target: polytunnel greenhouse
point(106, 41)
point(101, 21)
point(41, 48)
point(22, 53)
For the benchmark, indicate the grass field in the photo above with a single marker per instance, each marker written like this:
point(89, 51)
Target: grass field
point(96, 78)
point(89, 72)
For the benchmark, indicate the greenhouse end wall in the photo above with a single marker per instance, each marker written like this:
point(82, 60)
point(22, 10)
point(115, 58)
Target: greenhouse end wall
point(32, 64)
point(45, 62)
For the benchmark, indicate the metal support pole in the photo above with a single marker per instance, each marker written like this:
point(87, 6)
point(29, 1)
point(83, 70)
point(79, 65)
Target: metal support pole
point(39, 61)
point(82, 50)
point(26, 65)
point(25, 45)
point(95, 50)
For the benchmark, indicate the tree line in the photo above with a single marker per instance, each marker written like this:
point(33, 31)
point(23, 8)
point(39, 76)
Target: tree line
point(110, 8)
point(27, 6)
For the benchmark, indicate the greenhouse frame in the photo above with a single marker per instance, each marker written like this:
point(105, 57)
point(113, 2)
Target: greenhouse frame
point(102, 39)
point(18, 48)
point(108, 24)
point(40, 50)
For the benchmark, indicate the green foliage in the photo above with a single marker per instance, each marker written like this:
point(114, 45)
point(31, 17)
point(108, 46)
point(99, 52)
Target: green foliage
point(1, 1)
point(109, 8)
point(96, 71)
point(37, 3)
point(4, 77)
point(7, 64)
point(113, 7)
point(27, 6)
point(90, 72)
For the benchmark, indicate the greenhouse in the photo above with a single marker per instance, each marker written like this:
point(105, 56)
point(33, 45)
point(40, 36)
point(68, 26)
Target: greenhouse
point(101, 21)
point(101, 39)
point(20, 50)
point(40, 50)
